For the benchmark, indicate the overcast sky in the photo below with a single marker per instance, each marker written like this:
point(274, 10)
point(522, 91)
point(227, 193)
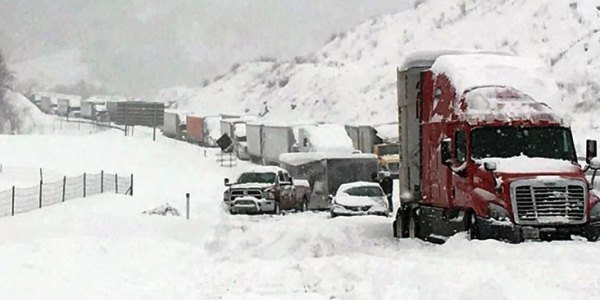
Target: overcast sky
point(134, 46)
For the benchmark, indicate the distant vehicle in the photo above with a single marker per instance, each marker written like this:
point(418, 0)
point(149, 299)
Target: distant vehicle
point(327, 171)
point(359, 198)
point(389, 157)
point(266, 142)
point(265, 190)
point(174, 125)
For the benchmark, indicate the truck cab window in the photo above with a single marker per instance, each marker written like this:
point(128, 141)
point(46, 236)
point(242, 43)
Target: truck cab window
point(461, 147)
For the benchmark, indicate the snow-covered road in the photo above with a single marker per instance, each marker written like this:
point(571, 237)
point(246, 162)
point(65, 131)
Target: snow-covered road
point(103, 247)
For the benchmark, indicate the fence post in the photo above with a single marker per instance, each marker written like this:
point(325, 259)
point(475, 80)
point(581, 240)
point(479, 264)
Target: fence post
point(41, 185)
point(154, 126)
point(131, 188)
point(84, 182)
point(187, 206)
point(64, 188)
point(101, 181)
point(13, 200)
point(116, 183)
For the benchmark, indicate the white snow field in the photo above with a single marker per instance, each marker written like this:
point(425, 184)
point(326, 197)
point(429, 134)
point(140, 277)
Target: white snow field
point(103, 247)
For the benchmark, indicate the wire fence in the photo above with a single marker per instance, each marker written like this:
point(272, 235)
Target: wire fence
point(19, 200)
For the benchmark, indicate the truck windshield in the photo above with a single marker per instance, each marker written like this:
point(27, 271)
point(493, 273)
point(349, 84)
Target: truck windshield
point(364, 191)
point(257, 178)
point(389, 149)
point(545, 142)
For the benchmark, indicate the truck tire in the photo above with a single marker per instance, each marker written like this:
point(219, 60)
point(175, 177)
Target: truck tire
point(413, 224)
point(472, 226)
point(304, 204)
point(277, 209)
point(399, 226)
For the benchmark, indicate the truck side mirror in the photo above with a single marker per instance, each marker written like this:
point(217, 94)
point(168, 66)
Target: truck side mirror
point(591, 150)
point(490, 166)
point(595, 163)
point(446, 152)
point(226, 182)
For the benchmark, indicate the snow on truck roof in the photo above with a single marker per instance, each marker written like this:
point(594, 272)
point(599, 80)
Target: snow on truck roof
point(300, 158)
point(264, 169)
point(468, 71)
point(346, 186)
point(426, 58)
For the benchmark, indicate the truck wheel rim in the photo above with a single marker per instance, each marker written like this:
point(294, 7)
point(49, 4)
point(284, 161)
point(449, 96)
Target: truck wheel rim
point(399, 228)
point(412, 228)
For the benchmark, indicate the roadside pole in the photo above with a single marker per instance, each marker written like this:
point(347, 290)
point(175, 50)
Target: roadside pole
point(187, 206)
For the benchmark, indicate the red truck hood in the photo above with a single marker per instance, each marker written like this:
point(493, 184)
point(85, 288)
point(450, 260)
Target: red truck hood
point(529, 165)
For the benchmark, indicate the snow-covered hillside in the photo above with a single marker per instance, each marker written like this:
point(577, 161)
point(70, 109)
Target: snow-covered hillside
point(352, 79)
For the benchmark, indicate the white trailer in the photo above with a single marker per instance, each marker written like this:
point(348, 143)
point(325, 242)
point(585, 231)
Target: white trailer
point(275, 141)
point(254, 141)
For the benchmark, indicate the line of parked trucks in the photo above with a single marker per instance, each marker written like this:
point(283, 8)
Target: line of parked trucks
point(479, 152)
point(320, 157)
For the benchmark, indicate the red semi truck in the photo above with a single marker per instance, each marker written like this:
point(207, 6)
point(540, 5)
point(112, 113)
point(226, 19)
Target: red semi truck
point(481, 153)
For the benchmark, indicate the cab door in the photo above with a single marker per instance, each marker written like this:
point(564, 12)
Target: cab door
point(461, 187)
point(286, 190)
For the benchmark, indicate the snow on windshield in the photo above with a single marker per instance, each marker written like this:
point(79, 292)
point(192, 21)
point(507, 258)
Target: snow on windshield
point(503, 103)
point(257, 178)
point(364, 191)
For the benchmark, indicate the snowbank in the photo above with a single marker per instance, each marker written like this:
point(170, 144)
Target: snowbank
point(19, 115)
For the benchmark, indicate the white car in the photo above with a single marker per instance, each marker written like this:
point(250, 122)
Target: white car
point(359, 198)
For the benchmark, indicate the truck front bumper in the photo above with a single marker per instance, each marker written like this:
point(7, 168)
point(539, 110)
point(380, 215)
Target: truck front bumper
point(251, 205)
point(506, 231)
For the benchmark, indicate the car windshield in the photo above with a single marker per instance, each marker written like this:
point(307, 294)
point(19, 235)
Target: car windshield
point(545, 142)
point(364, 191)
point(257, 178)
point(389, 149)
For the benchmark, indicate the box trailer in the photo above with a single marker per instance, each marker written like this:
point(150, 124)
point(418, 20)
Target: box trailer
point(325, 172)
point(195, 129)
point(174, 125)
point(254, 141)
point(275, 141)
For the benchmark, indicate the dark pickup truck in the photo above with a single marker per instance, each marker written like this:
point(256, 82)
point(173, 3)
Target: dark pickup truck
point(266, 190)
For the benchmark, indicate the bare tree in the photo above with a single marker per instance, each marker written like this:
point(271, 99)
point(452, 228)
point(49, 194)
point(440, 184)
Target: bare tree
point(9, 121)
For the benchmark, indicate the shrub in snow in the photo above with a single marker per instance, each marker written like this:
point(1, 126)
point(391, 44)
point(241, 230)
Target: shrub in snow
point(164, 210)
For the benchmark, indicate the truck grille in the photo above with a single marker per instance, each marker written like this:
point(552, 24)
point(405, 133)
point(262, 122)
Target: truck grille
point(239, 193)
point(543, 202)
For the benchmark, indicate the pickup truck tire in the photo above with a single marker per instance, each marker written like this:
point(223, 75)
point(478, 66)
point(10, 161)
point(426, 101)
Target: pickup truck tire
point(304, 204)
point(277, 209)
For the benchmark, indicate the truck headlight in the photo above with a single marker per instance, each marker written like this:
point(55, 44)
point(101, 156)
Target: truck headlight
point(270, 195)
point(498, 212)
point(595, 212)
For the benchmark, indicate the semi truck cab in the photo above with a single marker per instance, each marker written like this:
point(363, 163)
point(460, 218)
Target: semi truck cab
point(481, 154)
